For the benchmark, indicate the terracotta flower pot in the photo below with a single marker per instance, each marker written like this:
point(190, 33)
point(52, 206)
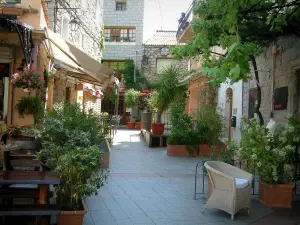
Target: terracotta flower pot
point(276, 196)
point(138, 125)
point(206, 150)
point(180, 150)
point(158, 128)
point(70, 217)
point(130, 125)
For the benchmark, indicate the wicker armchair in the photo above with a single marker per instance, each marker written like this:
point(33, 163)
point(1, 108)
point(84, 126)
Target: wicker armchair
point(231, 188)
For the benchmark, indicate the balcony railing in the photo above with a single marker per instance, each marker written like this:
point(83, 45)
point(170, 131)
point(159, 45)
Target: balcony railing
point(185, 20)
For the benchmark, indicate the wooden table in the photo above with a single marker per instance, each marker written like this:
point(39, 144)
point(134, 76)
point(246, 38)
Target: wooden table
point(44, 179)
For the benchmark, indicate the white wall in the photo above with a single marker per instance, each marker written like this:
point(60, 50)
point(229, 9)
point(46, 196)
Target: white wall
point(237, 108)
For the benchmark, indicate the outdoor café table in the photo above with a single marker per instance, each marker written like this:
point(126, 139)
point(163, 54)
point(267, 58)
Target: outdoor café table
point(43, 179)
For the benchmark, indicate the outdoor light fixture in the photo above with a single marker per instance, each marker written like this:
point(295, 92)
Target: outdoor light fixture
point(74, 23)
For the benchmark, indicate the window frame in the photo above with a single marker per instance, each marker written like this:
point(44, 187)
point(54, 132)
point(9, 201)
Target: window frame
point(123, 6)
point(120, 34)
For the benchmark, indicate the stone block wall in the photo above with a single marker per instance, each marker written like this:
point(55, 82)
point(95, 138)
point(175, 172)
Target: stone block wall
point(277, 71)
point(154, 52)
point(86, 36)
point(132, 17)
point(59, 91)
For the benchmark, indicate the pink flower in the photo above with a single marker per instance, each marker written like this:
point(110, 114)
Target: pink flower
point(24, 80)
point(29, 83)
point(33, 68)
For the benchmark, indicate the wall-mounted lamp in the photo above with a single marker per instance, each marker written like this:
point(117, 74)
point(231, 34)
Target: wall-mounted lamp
point(74, 23)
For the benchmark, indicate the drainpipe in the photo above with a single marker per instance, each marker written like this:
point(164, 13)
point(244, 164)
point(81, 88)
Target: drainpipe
point(273, 78)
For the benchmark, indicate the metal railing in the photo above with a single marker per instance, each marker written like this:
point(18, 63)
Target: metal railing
point(110, 125)
point(185, 20)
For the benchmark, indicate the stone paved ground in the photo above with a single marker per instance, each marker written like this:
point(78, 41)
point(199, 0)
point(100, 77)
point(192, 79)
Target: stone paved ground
point(148, 187)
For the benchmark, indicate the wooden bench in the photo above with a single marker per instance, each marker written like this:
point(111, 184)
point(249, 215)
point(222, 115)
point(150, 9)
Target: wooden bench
point(42, 211)
point(30, 210)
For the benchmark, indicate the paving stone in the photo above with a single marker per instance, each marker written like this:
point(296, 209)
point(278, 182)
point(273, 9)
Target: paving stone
point(146, 186)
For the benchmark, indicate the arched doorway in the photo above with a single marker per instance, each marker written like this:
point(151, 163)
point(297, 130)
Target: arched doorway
point(228, 113)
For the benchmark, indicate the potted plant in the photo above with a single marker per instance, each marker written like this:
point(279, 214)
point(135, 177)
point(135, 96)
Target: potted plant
point(209, 128)
point(169, 87)
point(28, 79)
point(138, 124)
point(30, 105)
point(131, 99)
point(50, 78)
point(71, 142)
point(270, 157)
point(183, 140)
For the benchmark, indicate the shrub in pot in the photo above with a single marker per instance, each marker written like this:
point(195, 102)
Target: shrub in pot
point(270, 156)
point(183, 140)
point(209, 127)
point(131, 99)
point(70, 143)
point(138, 124)
point(169, 87)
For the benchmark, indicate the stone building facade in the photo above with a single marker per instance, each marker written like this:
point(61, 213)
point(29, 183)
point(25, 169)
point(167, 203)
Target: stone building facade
point(123, 21)
point(276, 71)
point(86, 35)
point(157, 54)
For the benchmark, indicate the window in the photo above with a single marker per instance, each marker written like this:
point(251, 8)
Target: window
point(121, 6)
point(65, 27)
point(120, 34)
point(114, 65)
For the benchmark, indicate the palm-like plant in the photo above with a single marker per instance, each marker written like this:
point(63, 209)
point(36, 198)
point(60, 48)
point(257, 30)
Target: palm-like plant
point(170, 87)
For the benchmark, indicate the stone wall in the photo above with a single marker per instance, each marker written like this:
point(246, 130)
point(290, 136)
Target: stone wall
point(59, 91)
point(86, 36)
point(132, 17)
point(277, 71)
point(154, 52)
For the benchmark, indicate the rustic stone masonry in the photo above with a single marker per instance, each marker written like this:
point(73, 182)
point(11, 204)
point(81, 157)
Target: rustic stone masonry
point(154, 52)
point(277, 71)
point(90, 13)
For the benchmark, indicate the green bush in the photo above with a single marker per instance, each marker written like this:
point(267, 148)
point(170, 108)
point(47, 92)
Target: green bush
point(31, 105)
point(209, 124)
point(132, 98)
point(182, 132)
point(70, 141)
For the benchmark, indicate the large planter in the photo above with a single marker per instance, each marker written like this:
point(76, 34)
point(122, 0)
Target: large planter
point(158, 128)
point(70, 217)
point(130, 125)
point(276, 196)
point(104, 160)
point(207, 150)
point(180, 150)
point(138, 125)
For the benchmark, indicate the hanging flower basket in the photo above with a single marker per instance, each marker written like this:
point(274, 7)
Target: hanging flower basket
point(28, 79)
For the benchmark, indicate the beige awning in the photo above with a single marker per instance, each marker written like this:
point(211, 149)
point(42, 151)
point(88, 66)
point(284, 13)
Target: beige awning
point(78, 62)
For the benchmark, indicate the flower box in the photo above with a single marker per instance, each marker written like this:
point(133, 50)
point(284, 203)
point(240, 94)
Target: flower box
point(180, 150)
point(276, 195)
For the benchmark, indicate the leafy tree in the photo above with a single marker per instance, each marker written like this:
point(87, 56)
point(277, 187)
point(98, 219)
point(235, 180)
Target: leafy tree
point(240, 28)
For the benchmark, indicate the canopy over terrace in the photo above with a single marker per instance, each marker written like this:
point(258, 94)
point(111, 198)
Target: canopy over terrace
point(76, 63)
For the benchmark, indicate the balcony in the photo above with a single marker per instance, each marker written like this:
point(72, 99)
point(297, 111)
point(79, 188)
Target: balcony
point(184, 32)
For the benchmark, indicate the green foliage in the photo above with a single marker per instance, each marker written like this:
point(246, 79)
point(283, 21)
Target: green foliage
point(132, 98)
point(70, 143)
point(111, 94)
point(169, 87)
point(31, 105)
point(182, 132)
point(209, 124)
point(141, 81)
point(241, 29)
point(261, 151)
